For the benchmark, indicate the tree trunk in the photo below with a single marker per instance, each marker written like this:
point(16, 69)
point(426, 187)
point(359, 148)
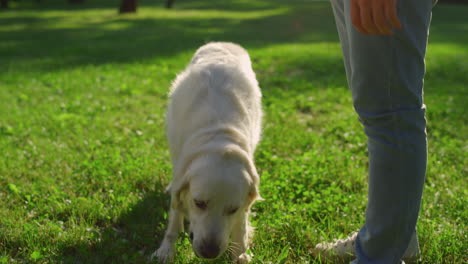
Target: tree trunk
point(128, 6)
point(3, 3)
point(170, 3)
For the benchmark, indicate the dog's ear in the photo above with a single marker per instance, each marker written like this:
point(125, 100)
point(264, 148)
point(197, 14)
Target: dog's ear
point(254, 193)
point(177, 192)
point(253, 196)
point(178, 187)
point(253, 178)
point(181, 172)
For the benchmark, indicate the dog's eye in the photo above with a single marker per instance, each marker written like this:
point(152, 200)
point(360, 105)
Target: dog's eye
point(200, 204)
point(232, 211)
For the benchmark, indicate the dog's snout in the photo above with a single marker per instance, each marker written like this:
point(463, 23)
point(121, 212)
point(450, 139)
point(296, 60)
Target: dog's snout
point(210, 249)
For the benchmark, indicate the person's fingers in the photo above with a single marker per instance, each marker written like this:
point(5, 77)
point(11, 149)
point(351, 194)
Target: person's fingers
point(381, 24)
point(356, 17)
point(367, 20)
point(391, 13)
point(374, 17)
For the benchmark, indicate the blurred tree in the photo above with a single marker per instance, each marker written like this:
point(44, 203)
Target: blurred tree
point(128, 6)
point(76, 1)
point(170, 3)
point(3, 3)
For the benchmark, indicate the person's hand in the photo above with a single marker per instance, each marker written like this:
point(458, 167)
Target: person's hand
point(375, 17)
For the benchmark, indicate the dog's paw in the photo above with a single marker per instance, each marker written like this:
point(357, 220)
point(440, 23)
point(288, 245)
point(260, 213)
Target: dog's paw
point(244, 258)
point(165, 254)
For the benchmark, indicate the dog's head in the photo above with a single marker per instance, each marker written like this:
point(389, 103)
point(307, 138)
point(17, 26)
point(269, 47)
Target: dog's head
point(216, 194)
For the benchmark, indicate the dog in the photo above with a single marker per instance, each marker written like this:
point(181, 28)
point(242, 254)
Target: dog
point(213, 127)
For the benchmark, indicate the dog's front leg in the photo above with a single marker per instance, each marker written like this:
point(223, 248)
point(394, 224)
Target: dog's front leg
point(241, 237)
point(166, 251)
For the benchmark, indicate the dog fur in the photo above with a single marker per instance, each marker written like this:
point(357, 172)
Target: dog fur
point(213, 127)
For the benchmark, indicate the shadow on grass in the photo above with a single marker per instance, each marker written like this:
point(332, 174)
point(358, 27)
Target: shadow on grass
point(42, 44)
point(448, 24)
point(36, 43)
point(131, 239)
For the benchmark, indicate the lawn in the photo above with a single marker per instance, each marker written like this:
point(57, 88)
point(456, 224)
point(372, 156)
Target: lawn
point(84, 160)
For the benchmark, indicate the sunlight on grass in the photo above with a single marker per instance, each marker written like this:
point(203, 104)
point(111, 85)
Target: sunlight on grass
point(451, 49)
point(210, 14)
point(109, 19)
point(84, 160)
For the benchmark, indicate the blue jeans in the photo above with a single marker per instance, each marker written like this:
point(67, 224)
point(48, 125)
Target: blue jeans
point(385, 75)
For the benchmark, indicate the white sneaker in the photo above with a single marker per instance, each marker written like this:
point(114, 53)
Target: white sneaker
point(343, 250)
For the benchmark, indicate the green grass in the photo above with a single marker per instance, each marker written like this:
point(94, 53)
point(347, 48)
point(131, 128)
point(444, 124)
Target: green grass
point(84, 160)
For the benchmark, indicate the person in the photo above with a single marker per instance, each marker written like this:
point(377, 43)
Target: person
point(384, 46)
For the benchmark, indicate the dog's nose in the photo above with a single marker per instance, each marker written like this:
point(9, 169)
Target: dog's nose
point(209, 249)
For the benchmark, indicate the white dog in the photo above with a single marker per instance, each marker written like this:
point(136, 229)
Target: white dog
point(213, 126)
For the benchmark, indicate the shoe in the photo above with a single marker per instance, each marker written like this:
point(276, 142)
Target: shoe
point(343, 250)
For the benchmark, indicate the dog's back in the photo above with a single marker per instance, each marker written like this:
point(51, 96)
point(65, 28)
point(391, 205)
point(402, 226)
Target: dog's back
point(217, 91)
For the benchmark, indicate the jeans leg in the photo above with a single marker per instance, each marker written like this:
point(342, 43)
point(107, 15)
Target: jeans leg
point(342, 27)
point(385, 75)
